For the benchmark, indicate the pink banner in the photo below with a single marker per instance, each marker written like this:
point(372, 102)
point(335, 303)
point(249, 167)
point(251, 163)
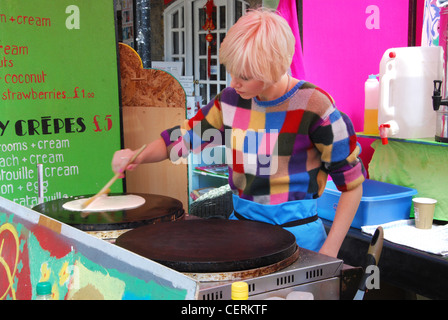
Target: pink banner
point(343, 43)
point(288, 10)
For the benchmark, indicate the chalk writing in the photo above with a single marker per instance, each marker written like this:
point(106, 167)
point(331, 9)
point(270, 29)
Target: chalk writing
point(58, 95)
point(30, 21)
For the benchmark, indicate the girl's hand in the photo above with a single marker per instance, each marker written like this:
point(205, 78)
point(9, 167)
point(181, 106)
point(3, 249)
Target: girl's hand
point(121, 158)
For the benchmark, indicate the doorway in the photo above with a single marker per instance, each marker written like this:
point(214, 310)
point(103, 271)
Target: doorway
point(185, 41)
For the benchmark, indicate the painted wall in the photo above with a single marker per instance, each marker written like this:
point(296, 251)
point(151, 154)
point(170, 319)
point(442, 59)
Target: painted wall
point(35, 248)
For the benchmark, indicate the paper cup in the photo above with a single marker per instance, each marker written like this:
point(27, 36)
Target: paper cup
point(424, 212)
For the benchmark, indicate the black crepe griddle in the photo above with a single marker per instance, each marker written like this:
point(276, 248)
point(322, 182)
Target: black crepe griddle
point(211, 245)
point(157, 208)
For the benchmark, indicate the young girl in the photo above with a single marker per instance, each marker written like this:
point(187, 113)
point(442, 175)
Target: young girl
point(282, 136)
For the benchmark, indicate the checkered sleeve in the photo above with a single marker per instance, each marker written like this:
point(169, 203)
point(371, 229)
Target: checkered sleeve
point(205, 128)
point(334, 136)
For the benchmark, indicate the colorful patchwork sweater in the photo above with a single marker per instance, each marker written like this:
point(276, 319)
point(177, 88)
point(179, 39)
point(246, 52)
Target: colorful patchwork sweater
point(277, 151)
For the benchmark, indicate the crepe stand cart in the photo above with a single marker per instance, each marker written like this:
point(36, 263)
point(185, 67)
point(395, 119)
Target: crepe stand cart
point(109, 225)
point(217, 252)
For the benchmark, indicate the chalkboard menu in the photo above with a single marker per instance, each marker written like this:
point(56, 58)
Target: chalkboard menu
point(59, 98)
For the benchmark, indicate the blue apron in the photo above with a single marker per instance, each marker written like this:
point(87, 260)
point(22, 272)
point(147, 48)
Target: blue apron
point(298, 217)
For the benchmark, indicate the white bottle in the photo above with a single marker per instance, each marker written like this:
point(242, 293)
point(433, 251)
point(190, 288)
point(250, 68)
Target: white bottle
point(372, 95)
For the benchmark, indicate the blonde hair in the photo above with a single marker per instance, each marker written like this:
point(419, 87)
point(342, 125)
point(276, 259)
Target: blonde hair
point(260, 46)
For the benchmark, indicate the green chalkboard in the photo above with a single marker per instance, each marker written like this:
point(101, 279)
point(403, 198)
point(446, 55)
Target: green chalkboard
point(59, 98)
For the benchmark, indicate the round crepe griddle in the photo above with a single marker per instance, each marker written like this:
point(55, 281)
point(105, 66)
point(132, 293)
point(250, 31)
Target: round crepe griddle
point(210, 245)
point(156, 208)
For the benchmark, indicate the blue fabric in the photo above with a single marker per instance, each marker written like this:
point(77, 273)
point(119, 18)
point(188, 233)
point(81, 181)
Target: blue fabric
point(310, 236)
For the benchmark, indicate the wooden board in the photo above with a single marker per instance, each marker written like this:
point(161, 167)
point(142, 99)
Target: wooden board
point(141, 125)
point(153, 100)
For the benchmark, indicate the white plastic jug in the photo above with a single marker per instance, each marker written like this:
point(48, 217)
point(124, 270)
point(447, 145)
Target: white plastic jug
point(406, 87)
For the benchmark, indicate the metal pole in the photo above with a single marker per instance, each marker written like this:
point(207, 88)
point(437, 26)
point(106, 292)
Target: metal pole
point(143, 30)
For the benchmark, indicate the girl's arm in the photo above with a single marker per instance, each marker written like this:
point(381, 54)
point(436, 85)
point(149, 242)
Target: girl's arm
point(345, 212)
